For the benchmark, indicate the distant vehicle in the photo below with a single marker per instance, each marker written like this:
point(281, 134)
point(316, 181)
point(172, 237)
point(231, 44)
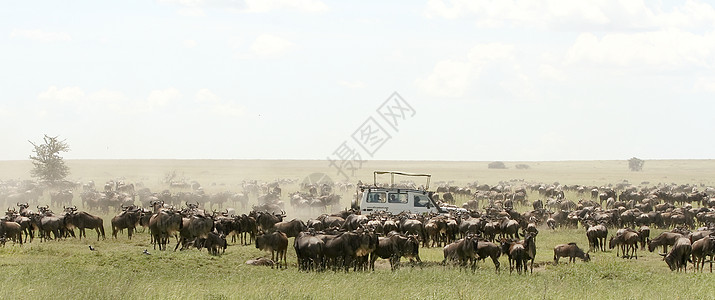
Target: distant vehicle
point(396, 200)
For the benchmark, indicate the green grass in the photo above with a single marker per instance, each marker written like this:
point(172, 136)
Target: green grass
point(118, 270)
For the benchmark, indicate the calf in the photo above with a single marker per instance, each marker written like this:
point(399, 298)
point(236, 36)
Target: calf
point(570, 250)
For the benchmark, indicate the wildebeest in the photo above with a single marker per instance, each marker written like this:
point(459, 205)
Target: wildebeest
point(309, 251)
point(597, 237)
point(644, 234)
point(163, 224)
point(266, 220)
point(342, 249)
point(214, 242)
point(570, 250)
point(275, 242)
point(193, 227)
point(83, 220)
point(665, 239)
point(679, 255)
point(701, 249)
point(488, 249)
point(291, 228)
point(628, 241)
point(462, 251)
point(10, 229)
point(519, 253)
point(127, 219)
point(394, 247)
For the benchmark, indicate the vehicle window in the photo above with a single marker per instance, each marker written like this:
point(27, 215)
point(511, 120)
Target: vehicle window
point(376, 197)
point(397, 198)
point(421, 200)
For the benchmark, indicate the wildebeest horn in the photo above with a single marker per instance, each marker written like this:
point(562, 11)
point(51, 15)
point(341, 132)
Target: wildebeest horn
point(74, 207)
point(38, 206)
point(197, 203)
point(18, 204)
point(187, 203)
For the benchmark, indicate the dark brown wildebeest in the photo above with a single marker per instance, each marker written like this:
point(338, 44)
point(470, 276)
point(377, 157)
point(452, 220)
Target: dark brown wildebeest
point(462, 251)
point(291, 228)
point(193, 227)
point(275, 242)
point(127, 219)
point(248, 228)
point(570, 250)
point(83, 220)
point(164, 224)
point(309, 251)
point(644, 234)
point(597, 237)
point(665, 239)
point(488, 249)
point(266, 220)
point(352, 222)
point(703, 248)
point(341, 249)
point(48, 222)
point(519, 253)
point(393, 248)
point(413, 227)
point(679, 255)
point(10, 229)
point(214, 242)
point(628, 241)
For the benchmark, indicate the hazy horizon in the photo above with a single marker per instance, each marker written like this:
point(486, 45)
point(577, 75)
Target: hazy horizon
point(313, 79)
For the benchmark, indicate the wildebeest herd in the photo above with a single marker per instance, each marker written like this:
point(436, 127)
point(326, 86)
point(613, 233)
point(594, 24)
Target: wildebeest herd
point(491, 227)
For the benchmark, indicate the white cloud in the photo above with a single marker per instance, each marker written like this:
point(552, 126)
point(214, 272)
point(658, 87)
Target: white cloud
point(206, 96)
point(705, 84)
point(449, 78)
point(215, 105)
point(551, 73)
point(271, 46)
point(575, 15)
point(63, 95)
point(249, 6)
point(352, 84)
point(189, 43)
point(452, 78)
point(160, 98)
point(191, 12)
point(660, 49)
point(41, 35)
point(310, 6)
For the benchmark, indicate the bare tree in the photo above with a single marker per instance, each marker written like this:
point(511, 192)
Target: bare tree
point(48, 163)
point(635, 164)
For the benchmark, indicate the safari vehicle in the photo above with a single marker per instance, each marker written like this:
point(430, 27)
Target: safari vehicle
point(397, 199)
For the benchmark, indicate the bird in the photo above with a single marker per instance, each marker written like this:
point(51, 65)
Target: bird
point(146, 252)
point(91, 248)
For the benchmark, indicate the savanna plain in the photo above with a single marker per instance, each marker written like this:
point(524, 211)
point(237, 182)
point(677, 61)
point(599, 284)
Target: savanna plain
point(118, 269)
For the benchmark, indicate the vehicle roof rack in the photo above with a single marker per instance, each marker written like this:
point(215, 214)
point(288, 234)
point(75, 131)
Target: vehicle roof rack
point(393, 173)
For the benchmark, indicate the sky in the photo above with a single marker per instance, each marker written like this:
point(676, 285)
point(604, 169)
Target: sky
point(361, 80)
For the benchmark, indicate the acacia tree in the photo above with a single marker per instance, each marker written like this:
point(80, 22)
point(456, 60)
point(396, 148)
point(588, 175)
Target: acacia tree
point(48, 163)
point(635, 164)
